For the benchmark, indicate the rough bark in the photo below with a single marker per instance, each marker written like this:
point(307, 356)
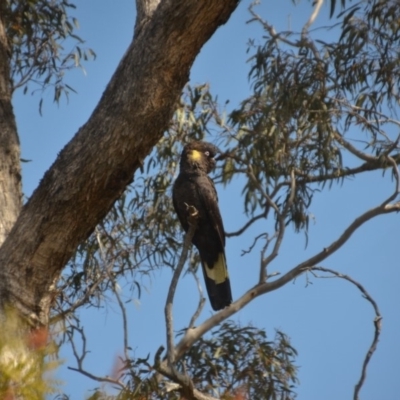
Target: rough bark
point(10, 174)
point(93, 170)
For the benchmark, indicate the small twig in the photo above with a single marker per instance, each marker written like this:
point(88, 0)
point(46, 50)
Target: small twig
point(105, 379)
point(174, 282)
point(269, 28)
point(78, 303)
point(279, 215)
point(359, 154)
point(79, 358)
point(263, 267)
point(117, 295)
point(393, 146)
point(202, 301)
point(269, 200)
point(255, 240)
point(397, 178)
point(124, 319)
point(385, 118)
point(246, 225)
point(377, 325)
point(340, 173)
point(265, 261)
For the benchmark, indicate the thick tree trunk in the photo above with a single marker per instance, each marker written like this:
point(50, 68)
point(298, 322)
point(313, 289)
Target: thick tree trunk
point(10, 174)
point(93, 170)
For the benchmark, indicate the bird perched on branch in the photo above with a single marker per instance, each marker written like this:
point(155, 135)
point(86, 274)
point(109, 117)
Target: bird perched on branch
point(194, 188)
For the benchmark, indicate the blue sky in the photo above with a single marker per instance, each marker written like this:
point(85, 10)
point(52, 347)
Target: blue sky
point(329, 322)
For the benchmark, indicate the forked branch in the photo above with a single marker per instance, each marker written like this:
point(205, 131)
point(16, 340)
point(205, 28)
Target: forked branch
point(192, 335)
point(80, 356)
point(377, 325)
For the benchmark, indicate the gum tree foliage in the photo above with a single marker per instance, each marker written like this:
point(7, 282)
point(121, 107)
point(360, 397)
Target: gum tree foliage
point(288, 139)
point(37, 32)
point(234, 363)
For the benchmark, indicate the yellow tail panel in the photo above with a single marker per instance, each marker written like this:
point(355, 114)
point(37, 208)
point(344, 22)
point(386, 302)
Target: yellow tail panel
point(219, 272)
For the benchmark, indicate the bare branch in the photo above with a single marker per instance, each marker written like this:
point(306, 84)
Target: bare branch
point(269, 200)
point(311, 20)
point(269, 28)
point(193, 213)
point(397, 178)
point(342, 173)
point(377, 325)
point(184, 381)
point(124, 318)
point(192, 335)
point(105, 379)
point(255, 240)
point(281, 230)
point(246, 225)
point(114, 288)
point(326, 252)
point(80, 358)
point(357, 110)
point(371, 350)
point(78, 303)
point(263, 270)
point(348, 146)
point(202, 301)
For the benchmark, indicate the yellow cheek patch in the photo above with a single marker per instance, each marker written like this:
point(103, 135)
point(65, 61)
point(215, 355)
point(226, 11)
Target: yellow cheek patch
point(219, 272)
point(195, 155)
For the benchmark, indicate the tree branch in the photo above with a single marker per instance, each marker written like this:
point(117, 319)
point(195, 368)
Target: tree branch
point(343, 173)
point(202, 301)
point(192, 335)
point(114, 289)
point(174, 282)
point(396, 175)
point(269, 28)
point(104, 379)
point(78, 303)
point(311, 20)
point(281, 230)
point(80, 358)
point(326, 252)
point(187, 389)
point(246, 225)
point(359, 154)
point(377, 325)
